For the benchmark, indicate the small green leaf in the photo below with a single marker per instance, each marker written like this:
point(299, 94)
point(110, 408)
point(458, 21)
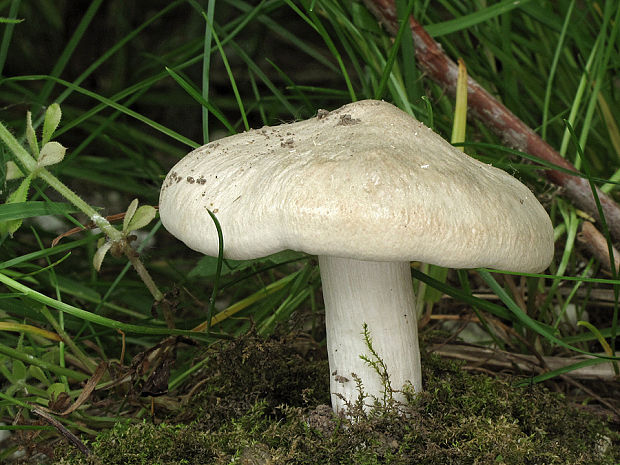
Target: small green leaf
point(51, 355)
point(31, 136)
point(131, 210)
point(19, 370)
point(19, 195)
point(38, 374)
point(100, 254)
point(52, 119)
point(13, 171)
point(51, 153)
point(55, 389)
point(143, 216)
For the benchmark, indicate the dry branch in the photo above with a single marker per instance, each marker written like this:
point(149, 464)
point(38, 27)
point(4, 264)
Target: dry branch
point(596, 244)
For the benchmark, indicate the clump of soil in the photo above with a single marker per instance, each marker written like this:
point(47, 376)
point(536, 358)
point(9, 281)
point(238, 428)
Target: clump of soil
point(263, 402)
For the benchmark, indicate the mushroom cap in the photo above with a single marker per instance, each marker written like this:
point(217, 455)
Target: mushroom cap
point(366, 181)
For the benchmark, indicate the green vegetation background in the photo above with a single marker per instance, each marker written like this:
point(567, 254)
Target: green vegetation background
point(142, 83)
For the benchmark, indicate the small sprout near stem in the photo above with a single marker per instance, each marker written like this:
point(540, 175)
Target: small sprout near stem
point(377, 364)
point(135, 218)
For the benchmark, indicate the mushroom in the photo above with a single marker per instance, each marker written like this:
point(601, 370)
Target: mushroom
point(368, 189)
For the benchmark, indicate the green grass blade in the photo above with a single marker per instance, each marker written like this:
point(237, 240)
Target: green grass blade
point(466, 22)
point(111, 103)
point(313, 20)
point(601, 70)
point(8, 33)
point(36, 361)
point(88, 316)
point(561, 371)
point(206, 66)
point(20, 210)
point(62, 61)
point(606, 233)
point(24, 259)
point(233, 83)
point(387, 71)
point(462, 296)
point(117, 47)
point(263, 77)
point(526, 320)
point(197, 95)
point(553, 69)
point(218, 270)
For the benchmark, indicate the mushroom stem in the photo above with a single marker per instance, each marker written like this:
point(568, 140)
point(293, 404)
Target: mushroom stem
point(380, 295)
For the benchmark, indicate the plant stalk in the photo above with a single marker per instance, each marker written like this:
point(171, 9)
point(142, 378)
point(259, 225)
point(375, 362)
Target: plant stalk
point(31, 166)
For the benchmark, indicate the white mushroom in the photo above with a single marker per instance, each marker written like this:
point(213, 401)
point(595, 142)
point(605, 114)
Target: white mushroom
point(368, 189)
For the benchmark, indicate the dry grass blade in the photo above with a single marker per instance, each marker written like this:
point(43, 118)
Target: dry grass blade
point(87, 390)
point(68, 435)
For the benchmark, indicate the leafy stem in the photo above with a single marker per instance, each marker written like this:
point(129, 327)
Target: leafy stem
point(50, 152)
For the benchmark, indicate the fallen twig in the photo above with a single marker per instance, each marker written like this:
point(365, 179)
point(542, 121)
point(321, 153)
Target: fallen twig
point(596, 244)
point(500, 359)
point(68, 435)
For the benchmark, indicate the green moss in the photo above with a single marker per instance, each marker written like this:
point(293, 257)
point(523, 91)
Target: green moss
point(261, 403)
point(251, 370)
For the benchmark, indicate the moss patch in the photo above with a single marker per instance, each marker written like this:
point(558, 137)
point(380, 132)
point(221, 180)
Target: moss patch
point(263, 403)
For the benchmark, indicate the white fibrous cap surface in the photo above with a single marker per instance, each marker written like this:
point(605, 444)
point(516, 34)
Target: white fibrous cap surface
point(365, 181)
